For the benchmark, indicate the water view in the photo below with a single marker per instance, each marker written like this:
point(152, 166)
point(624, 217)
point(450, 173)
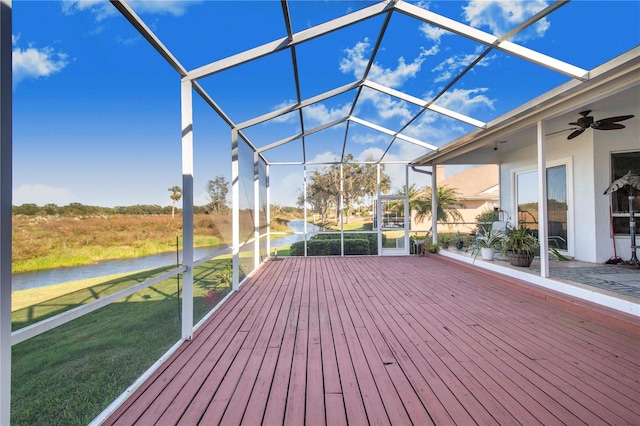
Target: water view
point(25, 280)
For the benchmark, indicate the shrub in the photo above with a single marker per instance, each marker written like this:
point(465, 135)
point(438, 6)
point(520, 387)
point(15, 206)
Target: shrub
point(331, 247)
point(371, 238)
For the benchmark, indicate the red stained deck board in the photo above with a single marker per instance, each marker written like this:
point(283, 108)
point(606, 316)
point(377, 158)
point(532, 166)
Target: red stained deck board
point(402, 340)
point(542, 350)
point(349, 385)
point(514, 338)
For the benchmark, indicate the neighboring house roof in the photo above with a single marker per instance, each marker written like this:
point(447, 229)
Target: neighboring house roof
point(476, 183)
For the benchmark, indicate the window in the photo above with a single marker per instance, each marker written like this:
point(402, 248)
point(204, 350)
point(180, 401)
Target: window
point(557, 206)
point(621, 164)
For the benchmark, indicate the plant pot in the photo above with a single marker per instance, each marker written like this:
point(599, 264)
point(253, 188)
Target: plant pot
point(487, 253)
point(459, 245)
point(520, 259)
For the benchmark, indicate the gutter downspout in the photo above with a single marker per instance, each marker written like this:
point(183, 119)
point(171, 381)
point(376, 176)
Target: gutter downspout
point(434, 201)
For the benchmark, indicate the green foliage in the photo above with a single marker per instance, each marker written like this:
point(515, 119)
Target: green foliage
point(45, 242)
point(329, 245)
point(420, 203)
point(324, 190)
point(487, 216)
point(68, 375)
point(433, 248)
point(519, 241)
point(77, 209)
point(217, 191)
point(444, 239)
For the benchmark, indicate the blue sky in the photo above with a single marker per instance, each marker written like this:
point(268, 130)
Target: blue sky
point(97, 110)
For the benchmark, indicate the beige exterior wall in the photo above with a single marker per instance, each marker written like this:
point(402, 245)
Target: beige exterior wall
point(477, 189)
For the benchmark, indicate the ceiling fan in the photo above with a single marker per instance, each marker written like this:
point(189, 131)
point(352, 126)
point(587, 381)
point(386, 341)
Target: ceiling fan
point(587, 121)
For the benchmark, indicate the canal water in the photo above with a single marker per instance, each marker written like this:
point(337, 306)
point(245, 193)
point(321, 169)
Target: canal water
point(35, 279)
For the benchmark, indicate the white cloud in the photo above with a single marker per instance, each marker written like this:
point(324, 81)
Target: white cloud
point(325, 157)
point(35, 62)
point(41, 194)
point(99, 8)
point(370, 153)
point(386, 106)
point(428, 129)
point(289, 186)
point(433, 33)
point(500, 16)
point(455, 64)
point(102, 9)
point(465, 101)
point(356, 62)
point(171, 7)
point(321, 114)
point(369, 139)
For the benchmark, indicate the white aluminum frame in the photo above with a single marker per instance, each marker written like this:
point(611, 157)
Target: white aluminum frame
point(6, 144)
point(189, 83)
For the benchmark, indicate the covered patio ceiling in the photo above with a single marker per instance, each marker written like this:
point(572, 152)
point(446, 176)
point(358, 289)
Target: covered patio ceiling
point(614, 86)
point(388, 81)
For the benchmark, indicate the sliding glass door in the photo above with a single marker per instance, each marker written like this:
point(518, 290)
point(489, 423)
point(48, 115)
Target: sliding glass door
point(557, 204)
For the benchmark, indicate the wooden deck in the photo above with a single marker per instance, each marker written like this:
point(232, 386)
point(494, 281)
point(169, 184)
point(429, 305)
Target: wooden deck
point(395, 340)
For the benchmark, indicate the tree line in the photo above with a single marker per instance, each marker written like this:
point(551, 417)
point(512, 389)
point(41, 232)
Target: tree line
point(359, 180)
point(217, 191)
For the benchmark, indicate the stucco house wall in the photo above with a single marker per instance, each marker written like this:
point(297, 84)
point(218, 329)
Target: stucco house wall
point(588, 175)
point(477, 189)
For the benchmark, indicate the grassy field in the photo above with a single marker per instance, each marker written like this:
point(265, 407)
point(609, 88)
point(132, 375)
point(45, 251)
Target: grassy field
point(46, 242)
point(68, 375)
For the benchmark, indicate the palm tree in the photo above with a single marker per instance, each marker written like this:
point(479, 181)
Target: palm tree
point(176, 195)
point(448, 204)
point(416, 203)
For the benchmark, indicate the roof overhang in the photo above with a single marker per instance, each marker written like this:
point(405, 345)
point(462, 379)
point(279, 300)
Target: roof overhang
point(615, 81)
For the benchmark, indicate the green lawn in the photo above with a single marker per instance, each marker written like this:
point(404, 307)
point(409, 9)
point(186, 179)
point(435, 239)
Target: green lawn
point(68, 375)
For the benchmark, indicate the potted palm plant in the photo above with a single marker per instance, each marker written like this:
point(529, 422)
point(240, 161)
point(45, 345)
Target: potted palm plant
point(519, 247)
point(487, 245)
point(445, 240)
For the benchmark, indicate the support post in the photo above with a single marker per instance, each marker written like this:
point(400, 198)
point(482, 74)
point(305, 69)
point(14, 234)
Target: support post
point(6, 135)
point(268, 203)
point(187, 208)
point(304, 190)
point(378, 218)
point(542, 201)
point(235, 211)
point(256, 210)
point(407, 210)
point(341, 210)
point(434, 205)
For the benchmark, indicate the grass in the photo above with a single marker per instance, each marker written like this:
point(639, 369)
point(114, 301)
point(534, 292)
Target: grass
point(70, 374)
point(355, 224)
point(48, 242)
point(34, 296)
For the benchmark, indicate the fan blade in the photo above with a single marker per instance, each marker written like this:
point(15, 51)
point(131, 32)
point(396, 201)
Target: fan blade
point(605, 122)
point(576, 133)
point(608, 126)
point(613, 119)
